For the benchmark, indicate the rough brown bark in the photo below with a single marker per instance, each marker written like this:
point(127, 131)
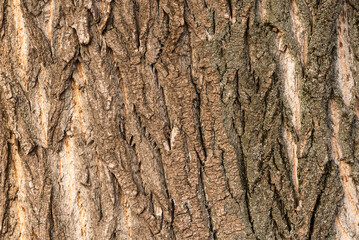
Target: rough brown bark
point(186, 119)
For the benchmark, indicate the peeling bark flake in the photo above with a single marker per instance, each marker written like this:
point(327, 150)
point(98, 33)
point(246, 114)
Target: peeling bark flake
point(21, 194)
point(21, 37)
point(347, 219)
point(345, 64)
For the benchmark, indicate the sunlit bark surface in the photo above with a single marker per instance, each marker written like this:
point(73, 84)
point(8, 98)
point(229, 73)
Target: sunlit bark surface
point(186, 119)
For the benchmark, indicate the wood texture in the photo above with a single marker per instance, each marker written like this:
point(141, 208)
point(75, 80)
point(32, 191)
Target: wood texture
point(186, 119)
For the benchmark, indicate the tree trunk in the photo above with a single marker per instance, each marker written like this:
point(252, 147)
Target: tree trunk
point(186, 119)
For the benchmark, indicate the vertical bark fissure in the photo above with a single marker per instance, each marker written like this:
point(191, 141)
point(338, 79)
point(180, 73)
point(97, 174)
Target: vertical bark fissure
point(203, 199)
point(230, 10)
point(5, 176)
point(51, 215)
point(322, 184)
point(282, 209)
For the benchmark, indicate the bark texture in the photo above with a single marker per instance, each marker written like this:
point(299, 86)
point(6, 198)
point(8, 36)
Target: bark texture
point(185, 119)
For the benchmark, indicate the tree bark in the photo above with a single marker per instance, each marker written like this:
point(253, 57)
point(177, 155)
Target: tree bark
point(186, 119)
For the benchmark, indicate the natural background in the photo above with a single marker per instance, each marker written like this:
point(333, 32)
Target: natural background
point(179, 119)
